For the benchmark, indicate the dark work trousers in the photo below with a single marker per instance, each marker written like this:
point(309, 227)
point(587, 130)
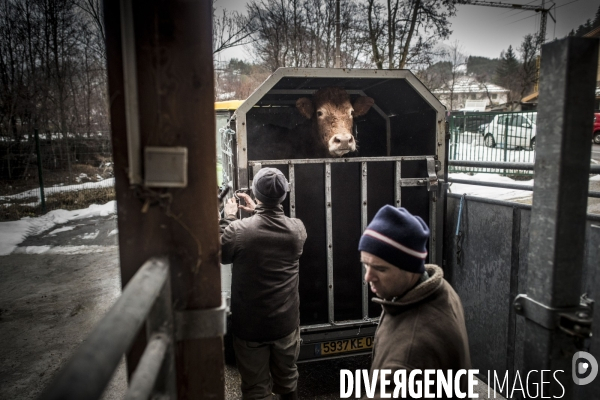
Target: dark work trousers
point(267, 367)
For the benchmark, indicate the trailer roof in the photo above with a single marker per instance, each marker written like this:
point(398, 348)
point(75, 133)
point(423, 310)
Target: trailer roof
point(284, 86)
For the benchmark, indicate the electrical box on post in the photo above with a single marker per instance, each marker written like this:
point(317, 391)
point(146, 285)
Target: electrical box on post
point(165, 167)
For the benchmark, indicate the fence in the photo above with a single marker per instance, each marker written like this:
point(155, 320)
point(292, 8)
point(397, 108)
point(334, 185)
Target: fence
point(145, 300)
point(486, 256)
point(44, 172)
point(494, 137)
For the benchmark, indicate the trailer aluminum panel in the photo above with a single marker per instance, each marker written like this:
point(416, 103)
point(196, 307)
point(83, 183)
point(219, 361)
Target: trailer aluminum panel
point(400, 160)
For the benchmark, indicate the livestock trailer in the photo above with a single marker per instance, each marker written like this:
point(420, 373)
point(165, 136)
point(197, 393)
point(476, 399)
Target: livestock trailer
point(401, 160)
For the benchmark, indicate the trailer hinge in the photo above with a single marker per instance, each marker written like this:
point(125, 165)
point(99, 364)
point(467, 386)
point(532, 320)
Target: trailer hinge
point(575, 321)
point(199, 324)
point(432, 179)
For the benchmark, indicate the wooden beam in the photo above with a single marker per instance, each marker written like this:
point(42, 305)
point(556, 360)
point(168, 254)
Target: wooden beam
point(173, 53)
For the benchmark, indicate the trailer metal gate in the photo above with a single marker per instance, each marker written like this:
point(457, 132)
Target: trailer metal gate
point(401, 159)
point(487, 266)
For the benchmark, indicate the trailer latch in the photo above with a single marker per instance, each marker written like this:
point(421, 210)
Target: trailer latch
point(575, 321)
point(432, 179)
point(199, 324)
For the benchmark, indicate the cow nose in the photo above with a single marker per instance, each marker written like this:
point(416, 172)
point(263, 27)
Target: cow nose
point(343, 140)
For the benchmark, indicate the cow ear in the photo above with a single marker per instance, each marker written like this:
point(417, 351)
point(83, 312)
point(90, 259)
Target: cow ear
point(305, 106)
point(362, 105)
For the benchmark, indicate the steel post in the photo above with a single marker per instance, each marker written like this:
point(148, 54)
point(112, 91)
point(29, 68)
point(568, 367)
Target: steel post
point(557, 229)
point(40, 175)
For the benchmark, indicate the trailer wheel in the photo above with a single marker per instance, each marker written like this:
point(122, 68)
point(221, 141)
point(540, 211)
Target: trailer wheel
point(597, 137)
point(489, 141)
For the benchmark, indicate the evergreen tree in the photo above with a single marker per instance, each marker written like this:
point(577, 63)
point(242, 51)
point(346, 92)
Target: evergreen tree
point(482, 67)
point(584, 28)
point(507, 73)
point(508, 67)
point(596, 22)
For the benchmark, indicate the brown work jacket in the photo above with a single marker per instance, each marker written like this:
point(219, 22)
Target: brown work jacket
point(264, 249)
point(424, 329)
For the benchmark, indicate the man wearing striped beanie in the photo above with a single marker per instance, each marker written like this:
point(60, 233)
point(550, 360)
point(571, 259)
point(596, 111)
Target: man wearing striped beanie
point(422, 323)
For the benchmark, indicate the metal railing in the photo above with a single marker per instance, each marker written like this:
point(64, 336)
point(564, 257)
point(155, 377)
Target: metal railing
point(492, 137)
point(147, 297)
point(594, 169)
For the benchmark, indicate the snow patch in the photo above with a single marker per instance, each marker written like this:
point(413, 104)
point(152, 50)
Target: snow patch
point(487, 191)
point(63, 229)
point(35, 249)
point(91, 235)
point(113, 232)
point(14, 232)
point(64, 249)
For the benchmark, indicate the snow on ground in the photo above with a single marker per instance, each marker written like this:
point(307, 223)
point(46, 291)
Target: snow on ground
point(63, 249)
point(14, 232)
point(59, 230)
point(91, 235)
point(110, 182)
point(487, 191)
point(474, 150)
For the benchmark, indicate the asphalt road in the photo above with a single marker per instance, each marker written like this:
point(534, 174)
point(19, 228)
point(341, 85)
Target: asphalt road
point(596, 152)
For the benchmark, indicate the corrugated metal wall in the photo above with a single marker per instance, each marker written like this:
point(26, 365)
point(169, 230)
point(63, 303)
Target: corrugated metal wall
point(491, 270)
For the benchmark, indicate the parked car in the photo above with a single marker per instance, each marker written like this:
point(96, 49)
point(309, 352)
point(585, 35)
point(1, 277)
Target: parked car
point(512, 130)
point(596, 134)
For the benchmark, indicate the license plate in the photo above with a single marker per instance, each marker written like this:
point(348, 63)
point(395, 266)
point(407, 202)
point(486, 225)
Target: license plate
point(346, 345)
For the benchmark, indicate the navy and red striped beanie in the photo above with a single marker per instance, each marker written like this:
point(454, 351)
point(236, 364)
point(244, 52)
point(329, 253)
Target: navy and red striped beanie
point(398, 237)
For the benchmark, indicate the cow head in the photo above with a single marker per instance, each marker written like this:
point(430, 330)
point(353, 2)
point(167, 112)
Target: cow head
point(333, 114)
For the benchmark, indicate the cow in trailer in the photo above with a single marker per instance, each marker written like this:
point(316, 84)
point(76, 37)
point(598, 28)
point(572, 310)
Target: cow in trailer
point(325, 132)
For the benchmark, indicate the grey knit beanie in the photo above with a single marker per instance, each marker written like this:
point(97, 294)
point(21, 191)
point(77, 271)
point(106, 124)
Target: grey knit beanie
point(270, 186)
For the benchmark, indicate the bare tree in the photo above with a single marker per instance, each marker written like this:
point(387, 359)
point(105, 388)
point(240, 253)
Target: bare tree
point(528, 73)
point(407, 29)
point(52, 77)
point(301, 33)
point(458, 61)
point(376, 31)
point(230, 29)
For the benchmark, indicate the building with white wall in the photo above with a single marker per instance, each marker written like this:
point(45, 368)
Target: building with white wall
point(454, 95)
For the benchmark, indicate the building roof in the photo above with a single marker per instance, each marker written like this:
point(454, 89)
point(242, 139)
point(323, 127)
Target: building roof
point(593, 33)
point(468, 84)
point(228, 105)
point(530, 98)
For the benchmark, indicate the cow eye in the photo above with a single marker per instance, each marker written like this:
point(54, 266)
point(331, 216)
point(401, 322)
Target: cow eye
point(319, 113)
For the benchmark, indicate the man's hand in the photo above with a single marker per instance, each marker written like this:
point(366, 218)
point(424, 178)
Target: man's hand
point(231, 208)
point(250, 204)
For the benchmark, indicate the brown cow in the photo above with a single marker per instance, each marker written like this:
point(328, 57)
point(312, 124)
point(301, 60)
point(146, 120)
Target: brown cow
point(330, 109)
point(327, 131)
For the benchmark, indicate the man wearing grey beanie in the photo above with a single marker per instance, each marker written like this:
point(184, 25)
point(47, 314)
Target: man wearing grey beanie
point(264, 250)
point(422, 325)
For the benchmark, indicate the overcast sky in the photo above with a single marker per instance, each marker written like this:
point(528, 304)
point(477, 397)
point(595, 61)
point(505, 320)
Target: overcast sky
point(486, 31)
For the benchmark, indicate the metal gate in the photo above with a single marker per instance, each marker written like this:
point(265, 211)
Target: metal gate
point(400, 161)
point(487, 265)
